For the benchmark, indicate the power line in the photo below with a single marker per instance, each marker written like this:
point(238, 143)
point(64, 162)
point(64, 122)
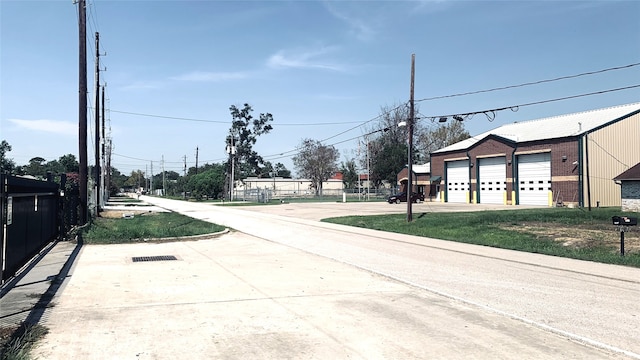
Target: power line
point(226, 121)
point(530, 83)
point(491, 112)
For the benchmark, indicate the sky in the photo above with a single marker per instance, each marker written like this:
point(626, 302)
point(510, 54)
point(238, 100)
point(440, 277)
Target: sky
point(325, 70)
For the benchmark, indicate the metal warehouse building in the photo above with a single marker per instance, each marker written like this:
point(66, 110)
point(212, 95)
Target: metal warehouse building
point(568, 159)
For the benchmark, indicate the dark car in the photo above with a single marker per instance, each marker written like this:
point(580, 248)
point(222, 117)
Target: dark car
point(402, 197)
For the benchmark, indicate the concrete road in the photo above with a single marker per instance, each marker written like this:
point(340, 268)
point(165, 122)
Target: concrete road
point(285, 287)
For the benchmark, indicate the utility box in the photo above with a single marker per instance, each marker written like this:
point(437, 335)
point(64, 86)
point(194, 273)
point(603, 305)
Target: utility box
point(624, 220)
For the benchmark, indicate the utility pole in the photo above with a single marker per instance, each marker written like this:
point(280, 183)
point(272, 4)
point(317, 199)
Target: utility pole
point(368, 168)
point(82, 109)
point(105, 184)
point(410, 140)
point(164, 180)
point(151, 180)
point(97, 129)
point(231, 150)
point(196, 160)
point(109, 162)
point(184, 171)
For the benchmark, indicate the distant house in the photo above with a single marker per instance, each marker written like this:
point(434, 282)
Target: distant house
point(560, 160)
point(629, 182)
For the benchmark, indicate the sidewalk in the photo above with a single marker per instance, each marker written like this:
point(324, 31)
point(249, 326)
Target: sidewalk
point(24, 298)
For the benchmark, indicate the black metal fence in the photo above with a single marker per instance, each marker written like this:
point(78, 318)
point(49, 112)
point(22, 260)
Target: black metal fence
point(31, 219)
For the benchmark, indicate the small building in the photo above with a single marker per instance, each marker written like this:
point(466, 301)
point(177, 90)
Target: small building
point(561, 160)
point(288, 187)
point(629, 182)
point(422, 181)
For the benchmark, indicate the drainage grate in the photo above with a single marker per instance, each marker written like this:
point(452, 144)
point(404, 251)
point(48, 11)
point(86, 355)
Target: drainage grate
point(153, 258)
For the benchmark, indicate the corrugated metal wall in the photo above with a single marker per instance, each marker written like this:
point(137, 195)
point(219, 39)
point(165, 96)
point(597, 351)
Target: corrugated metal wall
point(612, 150)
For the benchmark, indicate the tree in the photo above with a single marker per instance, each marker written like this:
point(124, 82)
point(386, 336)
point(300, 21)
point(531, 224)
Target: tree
point(117, 181)
point(136, 179)
point(6, 165)
point(282, 171)
point(440, 137)
point(269, 171)
point(36, 167)
point(349, 173)
point(69, 163)
point(244, 133)
point(386, 145)
point(317, 162)
point(209, 183)
point(390, 159)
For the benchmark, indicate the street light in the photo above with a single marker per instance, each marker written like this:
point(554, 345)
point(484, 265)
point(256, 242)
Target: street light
point(231, 150)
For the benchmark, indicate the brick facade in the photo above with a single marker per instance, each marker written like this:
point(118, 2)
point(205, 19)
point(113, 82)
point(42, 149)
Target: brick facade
point(564, 169)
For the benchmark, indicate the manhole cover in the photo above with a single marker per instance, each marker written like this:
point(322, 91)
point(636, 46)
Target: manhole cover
point(153, 258)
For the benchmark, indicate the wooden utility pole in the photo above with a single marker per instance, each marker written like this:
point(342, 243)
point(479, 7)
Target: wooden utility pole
point(164, 181)
point(196, 160)
point(97, 129)
point(82, 109)
point(410, 141)
point(103, 162)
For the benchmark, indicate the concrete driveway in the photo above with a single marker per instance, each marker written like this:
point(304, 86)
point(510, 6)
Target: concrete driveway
point(292, 288)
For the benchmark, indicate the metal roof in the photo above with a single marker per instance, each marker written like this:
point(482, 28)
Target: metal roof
point(550, 128)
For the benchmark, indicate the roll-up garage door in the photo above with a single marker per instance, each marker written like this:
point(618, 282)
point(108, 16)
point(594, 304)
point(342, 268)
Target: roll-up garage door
point(534, 179)
point(457, 181)
point(492, 180)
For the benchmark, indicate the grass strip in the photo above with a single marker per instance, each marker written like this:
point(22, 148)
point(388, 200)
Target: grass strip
point(507, 229)
point(19, 345)
point(146, 226)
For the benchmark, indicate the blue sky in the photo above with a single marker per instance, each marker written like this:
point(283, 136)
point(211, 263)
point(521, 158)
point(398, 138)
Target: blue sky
point(319, 67)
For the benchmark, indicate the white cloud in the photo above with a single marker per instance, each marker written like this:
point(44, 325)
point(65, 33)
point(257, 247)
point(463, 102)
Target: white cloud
point(303, 60)
point(203, 76)
point(360, 29)
point(50, 126)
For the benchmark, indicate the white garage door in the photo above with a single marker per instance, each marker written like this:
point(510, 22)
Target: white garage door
point(457, 181)
point(492, 180)
point(534, 179)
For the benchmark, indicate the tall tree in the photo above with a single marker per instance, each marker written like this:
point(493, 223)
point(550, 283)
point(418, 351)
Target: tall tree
point(6, 165)
point(441, 136)
point(317, 162)
point(244, 133)
point(36, 167)
point(386, 145)
point(349, 173)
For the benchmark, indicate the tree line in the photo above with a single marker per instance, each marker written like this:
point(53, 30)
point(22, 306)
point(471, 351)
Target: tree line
point(383, 151)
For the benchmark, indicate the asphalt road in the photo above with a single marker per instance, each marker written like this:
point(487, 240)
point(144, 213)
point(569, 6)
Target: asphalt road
point(283, 286)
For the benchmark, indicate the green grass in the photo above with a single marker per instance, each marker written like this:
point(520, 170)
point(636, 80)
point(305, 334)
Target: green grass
point(18, 345)
point(145, 226)
point(488, 228)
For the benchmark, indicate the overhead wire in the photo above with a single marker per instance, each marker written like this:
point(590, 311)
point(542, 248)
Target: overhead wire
point(530, 83)
point(516, 107)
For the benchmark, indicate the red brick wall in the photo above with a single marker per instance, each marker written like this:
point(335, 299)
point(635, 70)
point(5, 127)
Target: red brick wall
point(564, 174)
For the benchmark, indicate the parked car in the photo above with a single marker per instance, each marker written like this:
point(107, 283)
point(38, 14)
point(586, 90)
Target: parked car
point(402, 197)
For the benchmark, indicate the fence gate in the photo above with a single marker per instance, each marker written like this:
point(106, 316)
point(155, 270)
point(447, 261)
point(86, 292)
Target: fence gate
point(30, 220)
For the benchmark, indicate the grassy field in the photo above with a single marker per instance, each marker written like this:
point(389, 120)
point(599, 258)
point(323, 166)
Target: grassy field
point(145, 226)
point(572, 233)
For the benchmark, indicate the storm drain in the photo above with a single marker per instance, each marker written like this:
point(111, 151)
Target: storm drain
point(153, 258)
